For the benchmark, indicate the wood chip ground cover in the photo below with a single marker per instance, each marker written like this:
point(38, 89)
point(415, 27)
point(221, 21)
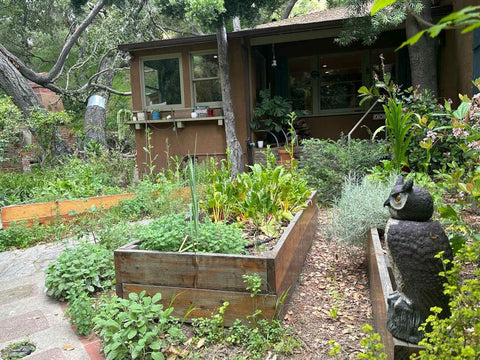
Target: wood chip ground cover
point(333, 282)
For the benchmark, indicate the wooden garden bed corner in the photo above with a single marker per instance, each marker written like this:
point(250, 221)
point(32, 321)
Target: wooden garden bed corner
point(205, 281)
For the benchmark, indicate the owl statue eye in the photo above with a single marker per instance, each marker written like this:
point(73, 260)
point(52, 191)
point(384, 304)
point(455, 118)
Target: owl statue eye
point(398, 198)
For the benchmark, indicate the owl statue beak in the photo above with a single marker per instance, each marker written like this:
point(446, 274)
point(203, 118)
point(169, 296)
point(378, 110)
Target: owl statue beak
point(387, 202)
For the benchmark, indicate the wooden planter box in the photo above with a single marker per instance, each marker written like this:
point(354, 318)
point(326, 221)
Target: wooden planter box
point(207, 280)
point(381, 284)
point(46, 212)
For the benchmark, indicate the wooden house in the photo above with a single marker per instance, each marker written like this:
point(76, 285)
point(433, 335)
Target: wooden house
point(297, 59)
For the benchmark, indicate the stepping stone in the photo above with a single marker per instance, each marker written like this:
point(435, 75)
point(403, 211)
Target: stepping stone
point(17, 293)
point(22, 325)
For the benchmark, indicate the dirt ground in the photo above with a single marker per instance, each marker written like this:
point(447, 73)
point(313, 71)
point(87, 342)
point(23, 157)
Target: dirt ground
point(331, 300)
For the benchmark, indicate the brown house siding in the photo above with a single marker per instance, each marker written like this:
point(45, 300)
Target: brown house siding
point(203, 136)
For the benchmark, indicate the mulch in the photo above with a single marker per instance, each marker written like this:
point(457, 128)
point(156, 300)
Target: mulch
point(331, 300)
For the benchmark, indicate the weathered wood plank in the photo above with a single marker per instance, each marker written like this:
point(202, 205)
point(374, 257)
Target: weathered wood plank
point(204, 271)
point(291, 250)
point(207, 302)
point(49, 211)
point(380, 287)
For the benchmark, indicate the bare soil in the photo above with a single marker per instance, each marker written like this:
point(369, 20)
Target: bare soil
point(331, 300)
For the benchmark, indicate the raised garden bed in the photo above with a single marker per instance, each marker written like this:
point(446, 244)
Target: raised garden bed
point(205, 281)
point(382, 283)
point(46, 212)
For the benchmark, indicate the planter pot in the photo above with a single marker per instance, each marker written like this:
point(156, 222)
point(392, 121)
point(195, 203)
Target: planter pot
point(283, 156)
point(382, 283)
point(205, 281)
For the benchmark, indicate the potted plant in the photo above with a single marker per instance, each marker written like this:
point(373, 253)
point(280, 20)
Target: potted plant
point(271, 116)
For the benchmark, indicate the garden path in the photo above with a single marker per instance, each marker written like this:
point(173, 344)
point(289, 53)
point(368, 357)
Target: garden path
point(27, 313)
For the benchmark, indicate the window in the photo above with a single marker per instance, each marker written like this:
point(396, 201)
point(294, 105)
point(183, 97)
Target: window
point(205, 80)
point(325, 83)
point(162, 81)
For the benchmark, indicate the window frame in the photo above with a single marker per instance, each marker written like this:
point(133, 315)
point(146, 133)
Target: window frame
point(142, 82)
point(210, 104)
point(366, 73)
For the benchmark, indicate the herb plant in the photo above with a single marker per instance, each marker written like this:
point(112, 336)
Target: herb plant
point(137, 328)
point(87, 268)
point(169, 232)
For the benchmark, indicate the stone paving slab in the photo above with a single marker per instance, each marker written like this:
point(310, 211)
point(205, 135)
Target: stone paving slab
point(27, 313)
point(52, 354)
point(22, 325)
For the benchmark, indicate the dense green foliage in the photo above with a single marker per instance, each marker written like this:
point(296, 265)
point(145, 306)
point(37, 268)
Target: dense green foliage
point(21, 236)
point(85, 268)
point(457, 336)
point(70, 178)
point(175, 233)
point(327, 163)
point(136, 328)
point(262, 197)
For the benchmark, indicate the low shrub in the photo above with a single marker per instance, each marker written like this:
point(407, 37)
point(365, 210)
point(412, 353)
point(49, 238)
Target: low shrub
point(86, 268)
point(137, 328)
point(19, 235)
point(326, 163)
point(359, 208)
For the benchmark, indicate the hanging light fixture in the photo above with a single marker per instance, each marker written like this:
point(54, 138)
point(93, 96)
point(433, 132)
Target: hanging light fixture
point(274, 61)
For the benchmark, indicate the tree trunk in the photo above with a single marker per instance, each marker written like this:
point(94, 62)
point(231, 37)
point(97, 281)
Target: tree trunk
point(94, 122)
point(423, 59)
point(235, 155)
point(288, 9)
point(236, 23)
point(17, 87)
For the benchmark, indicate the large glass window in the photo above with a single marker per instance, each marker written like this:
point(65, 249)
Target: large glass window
point(325, 83)
point(162, 82)
point(205, 79)
point(330, 83)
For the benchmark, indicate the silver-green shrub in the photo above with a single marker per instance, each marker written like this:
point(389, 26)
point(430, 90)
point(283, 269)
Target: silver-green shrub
point(360, 208)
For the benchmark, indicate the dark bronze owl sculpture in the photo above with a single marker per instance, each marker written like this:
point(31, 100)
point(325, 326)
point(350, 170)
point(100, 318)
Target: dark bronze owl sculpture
point(413, 240)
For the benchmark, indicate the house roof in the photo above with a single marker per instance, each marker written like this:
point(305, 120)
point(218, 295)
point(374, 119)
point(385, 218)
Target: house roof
point(326, 19)
point(329, 18)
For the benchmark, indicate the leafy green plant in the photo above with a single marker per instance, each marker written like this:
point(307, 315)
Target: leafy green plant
point(168, 233)
point(457, 335)
point(371, 344)
point(44, 125)
point(80, 312)
point(398, 126)
point(21, 235)
point(253, 282)
point(256, 336)
point(270, 114)
point(86, 268)
point(11, 121)
point(372, 348)
point(326, 163)
point(360, 208)
point(137, 328)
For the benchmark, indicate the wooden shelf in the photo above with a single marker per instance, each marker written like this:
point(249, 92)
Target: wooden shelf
point(178, 121)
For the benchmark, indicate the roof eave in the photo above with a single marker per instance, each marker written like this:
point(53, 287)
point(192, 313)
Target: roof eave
point(247, 33)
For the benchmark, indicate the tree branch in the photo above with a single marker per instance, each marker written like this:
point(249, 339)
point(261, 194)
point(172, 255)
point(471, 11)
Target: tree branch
point(417, 17)
point(56, 70)
point(288, 9)
point(106, 88)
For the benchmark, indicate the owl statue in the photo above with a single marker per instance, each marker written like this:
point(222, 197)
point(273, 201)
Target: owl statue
point(412, 241)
